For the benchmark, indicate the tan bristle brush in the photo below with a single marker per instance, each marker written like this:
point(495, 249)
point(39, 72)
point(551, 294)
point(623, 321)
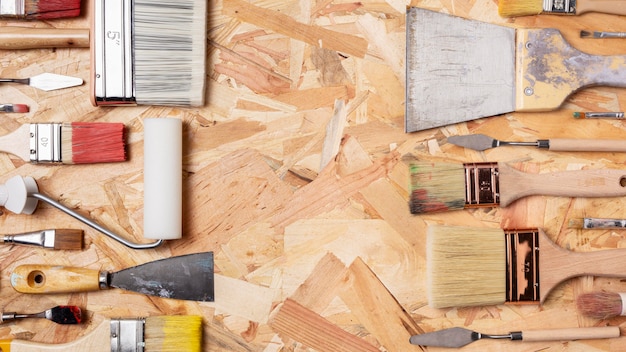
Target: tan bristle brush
point(155, 334)
point(59, 239)
point(473, 266)
point(514, 8)
point(40, 9)
point(438, 187)
point(601, 304)
point(67, 143)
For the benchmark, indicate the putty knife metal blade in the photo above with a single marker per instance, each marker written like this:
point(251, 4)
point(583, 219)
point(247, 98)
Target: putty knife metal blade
point(456, 69)
point(188, 277)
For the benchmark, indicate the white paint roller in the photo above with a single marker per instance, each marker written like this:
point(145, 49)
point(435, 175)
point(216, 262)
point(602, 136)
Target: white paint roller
point(162, 178)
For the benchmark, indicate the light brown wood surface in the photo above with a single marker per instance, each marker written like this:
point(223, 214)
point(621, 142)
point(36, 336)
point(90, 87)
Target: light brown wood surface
point(337, 243)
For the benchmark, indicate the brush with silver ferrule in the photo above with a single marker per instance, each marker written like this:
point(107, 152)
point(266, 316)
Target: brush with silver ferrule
point(482, 142)
point(58, 314)
point(596, 223)
point(602, 35)
point(51, 238)
point(597, 115)
point(46, 81)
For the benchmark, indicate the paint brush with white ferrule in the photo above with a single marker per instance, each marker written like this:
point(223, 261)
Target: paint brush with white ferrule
point(602, 304)
point(58, 239)
point(438, 187)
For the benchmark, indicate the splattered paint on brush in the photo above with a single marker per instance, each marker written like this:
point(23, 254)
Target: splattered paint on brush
point(436, 187)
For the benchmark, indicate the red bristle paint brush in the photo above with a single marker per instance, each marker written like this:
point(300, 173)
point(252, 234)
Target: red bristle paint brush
point(20, 108)
point(40, 9)
point(438, 187)
point(602, 304)
point(67, 143)
point(58, 314)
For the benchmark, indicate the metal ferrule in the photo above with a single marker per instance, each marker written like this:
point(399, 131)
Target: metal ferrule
point(45, 142)
point(564, 7)
point(600, 223)
point(614, 115)
point(103, 280)
point(12, 7)
point(112, 52)
point(127, 335)
point(43, 238)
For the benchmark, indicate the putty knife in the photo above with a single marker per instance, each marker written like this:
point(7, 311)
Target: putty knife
point(459, 70)
point(188, 277)
point(46, 81)
point(459, 337)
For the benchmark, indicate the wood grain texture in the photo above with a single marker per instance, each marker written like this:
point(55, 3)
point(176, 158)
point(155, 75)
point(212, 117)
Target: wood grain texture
point(254, 193)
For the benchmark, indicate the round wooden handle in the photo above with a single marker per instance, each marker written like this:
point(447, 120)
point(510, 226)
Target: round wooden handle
point(602, 332)
point(35, 38)
point(54, 279)
point(588, 145)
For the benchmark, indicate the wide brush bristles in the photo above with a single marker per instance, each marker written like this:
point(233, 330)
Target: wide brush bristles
point(600, 305)
point(50, 9)
point(436, 187)
point(514, 8)
point(68, 239)
point(92, 142)
point(173, 333)
point(465, 266)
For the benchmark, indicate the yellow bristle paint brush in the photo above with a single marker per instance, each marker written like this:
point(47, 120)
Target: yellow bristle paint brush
point(438, 187)
point(156, 334)
point(515, 8)
point(473, 266)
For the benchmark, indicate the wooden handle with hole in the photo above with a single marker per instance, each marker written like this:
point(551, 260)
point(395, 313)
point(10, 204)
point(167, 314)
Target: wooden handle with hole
point(587, 145)
point(37, 38)
point(569, 334)
point(54, 279)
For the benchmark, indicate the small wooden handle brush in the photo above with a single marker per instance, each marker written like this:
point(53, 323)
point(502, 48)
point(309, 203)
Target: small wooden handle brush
point(159, 333)
point(469, 266)
point(446, 186)
point(602, 304)
point(67, 239)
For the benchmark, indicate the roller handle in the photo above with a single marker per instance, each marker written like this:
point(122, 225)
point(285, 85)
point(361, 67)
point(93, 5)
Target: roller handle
point(613, 7)
point(569, 334)
point(587, 145)
point(37, 38)
point(32, 278)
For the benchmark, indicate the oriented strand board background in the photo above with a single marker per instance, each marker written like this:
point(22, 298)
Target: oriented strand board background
point(307, 259)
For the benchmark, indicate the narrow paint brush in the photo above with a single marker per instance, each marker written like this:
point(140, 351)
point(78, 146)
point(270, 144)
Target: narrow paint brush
point(21, 108)
point(515, 8)
point(58, 239)
point(602, 304)
point(482, 142)
point(470, 266)
point(58, 314)
point(67, 143)
point(158, 333)
point(40, 9)
point(453, 186)
point(596, 223)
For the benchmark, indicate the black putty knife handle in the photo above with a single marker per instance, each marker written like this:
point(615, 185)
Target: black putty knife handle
point(32, 278)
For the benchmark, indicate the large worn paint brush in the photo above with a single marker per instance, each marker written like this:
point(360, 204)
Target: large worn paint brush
point(157, 333)
point(59, 239)
point(39, 9)
point(515, 8)
point(470, 266)
point(601, 304)
point(58, 314)
point(133, 65)
point(67, 143)
point(453, 186)
point(459, 70)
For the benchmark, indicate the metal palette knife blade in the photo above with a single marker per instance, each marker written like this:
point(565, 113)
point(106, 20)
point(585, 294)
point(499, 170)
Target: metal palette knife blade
point(457, 69)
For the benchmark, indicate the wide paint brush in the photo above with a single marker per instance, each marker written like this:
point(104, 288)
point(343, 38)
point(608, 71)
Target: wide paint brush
point(438, 187)
point(473, 266)
point(188, 277)
point(483, 142)
point(58, 314)
point(151, 334)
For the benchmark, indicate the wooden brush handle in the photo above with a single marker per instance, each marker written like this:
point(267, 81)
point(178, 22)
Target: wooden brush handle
point(587, 145)
point(603, 332)
point(98, 340)
point(36, 38)
point(614, 7)
point(515, 184)
point(54, 279)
